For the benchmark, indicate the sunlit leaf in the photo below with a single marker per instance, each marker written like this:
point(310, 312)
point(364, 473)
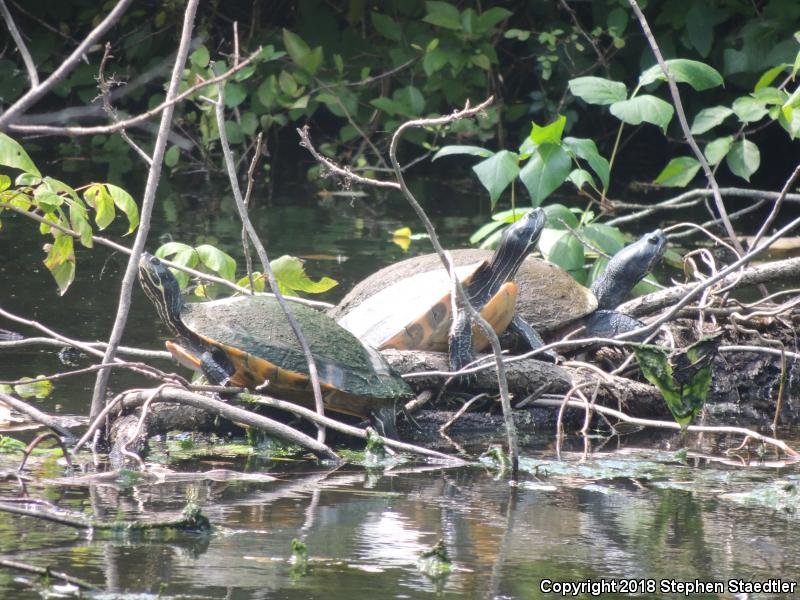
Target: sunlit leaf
point(497, 172)
point(549, 133)
point(29, 388)
point(567, 253)
point(14, 156)
point(546, 169)
point(678, 172)
point(292, 277)
point(769, 76)
point(597, 90)
point(462, 149)
point(217, 261)
point(743, 159)
point(100, 200)
point(708, 118)
point(442, 14)
point(79, 221)
point(580, 177)
point(586, 149)
point(697, 74)
point(716, 150)
point(644, 109)
point(200, 57)
point(124, 201)
point(749, 109)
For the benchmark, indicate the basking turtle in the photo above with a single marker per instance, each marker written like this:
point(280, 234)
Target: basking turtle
point(415, 312)
point(246, 341)
point(548, 298)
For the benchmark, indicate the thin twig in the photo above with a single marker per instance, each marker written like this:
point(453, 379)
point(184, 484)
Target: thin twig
point(474, 315)
point(36, 415)
point(173, 265)
point(248, 260)
point(672, 424)
point(146, 210)
point(676, 100)
point(33, 76)
point(313, 374)
point(169, 103)
point(47, 572)
point(776, 208)
point(34, 94)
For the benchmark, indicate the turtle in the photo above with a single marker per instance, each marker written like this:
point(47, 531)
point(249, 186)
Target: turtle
point(246, 341)
point(415, 312)
point(548, 297)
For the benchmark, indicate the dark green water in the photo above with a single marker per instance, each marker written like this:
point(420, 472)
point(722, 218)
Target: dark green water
point(632, 515)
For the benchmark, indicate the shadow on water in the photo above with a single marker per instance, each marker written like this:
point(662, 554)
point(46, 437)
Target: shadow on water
point(635, 515)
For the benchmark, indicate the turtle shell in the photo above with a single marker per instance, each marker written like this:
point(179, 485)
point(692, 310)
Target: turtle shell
point(416, 312)
point(253, 335)
point(548, 297)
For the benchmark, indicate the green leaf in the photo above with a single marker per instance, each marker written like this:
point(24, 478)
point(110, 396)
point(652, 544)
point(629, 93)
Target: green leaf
point(580, 177)
point(749, 109)
point(678, 172)
point(717, 150)
point(267, 91)
point(60, 261)
point(171, 156)
point(200, 57)
point(608, 239)
point(5, 182)
point(546, 169)
point(482, 61)
point(643, 109)
point(235, 94)
point(586, 149)
point(12, 155)
point(462, 149)
point(124, 202)
point(700, 26)
point(770, 75)
point(217, 261)
point(443, 14)
point(30, 388)
point(79, 221)
point(386, 26)
point(560, 218)
point(435, 60)
point(496, 172)
point(549, 133)
point(181, 254)
point(597, 90)
point(388, 106)
point(97, 196)
point(654, 363)
point(292, 277)
point(567, 253)
point(743, 159)
point(287, 83)
point(489, 18)
point(301, 54)
point(708, 118)
point(411, 97)
point(485, 230)
point(697, 74)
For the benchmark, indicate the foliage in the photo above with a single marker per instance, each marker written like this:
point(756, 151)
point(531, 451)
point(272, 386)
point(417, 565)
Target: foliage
point(356, 70)
point(61, 207)
point(683, 378)
point(288, 270)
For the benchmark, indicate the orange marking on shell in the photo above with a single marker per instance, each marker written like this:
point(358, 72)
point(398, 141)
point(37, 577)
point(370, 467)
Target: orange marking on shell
point(498, 312)
point(183, 356)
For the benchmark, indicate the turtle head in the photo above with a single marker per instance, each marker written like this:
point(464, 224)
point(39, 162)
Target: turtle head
point(162, 288)
point(627, 267)
point(516, 243)
point(643, 254)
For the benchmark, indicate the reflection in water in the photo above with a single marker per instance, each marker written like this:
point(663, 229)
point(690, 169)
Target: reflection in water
point(366, 531)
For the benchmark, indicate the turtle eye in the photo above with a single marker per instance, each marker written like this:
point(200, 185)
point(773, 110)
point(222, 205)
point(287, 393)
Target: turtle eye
point(653, 240)
point(155, 261)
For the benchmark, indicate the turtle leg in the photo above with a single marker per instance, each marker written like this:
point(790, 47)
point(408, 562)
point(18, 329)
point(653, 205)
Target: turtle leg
point(609, 324)
point(461, 353)
point(216, 369)
point(383, 420)
point(530, 337)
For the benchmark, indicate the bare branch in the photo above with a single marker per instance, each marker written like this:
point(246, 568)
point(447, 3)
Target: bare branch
point(676, 99)
point(23, 49)
point(148, 201)
point(35, 93)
